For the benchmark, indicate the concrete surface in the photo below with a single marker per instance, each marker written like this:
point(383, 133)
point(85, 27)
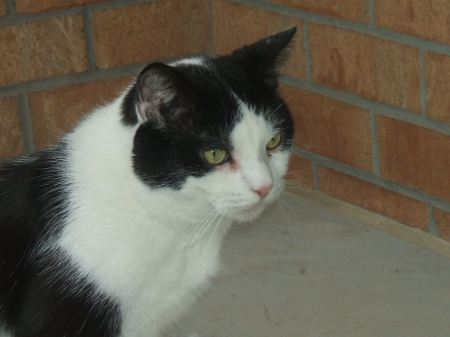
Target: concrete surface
point(302, 270)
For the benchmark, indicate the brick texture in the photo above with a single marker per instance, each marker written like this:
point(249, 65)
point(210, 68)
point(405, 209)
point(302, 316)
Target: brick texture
point(54, 112)
point(42, 48)
point(426, 19)
point(330, 128)
point(377, 69)
point(300, 172)
point(437, 70)
point(378, 199)
point(414, 156)
point(2, 7)
point(236, 25)
point(10, 135)
point(352, 10)
point(141, 33)
point(32, 6)
point(443, 223)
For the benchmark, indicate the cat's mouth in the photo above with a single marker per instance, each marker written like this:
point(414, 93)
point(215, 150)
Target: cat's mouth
point(244, 209)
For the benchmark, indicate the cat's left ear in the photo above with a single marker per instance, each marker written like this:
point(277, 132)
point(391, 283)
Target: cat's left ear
point(263, 59)
point(162, 94)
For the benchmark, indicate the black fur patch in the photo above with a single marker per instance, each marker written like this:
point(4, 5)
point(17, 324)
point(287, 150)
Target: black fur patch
point(128, 107)
point(165, 157)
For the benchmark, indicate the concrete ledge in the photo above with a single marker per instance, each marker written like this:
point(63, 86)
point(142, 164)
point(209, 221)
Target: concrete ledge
point(373, 219)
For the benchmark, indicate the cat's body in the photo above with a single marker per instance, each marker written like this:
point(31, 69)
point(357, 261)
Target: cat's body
point(116, 230)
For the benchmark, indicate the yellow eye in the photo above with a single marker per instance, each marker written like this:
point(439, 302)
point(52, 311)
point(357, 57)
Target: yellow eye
point(274, 142)
point(216, 156)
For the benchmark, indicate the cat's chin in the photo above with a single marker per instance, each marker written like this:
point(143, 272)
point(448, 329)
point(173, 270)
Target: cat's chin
point(248, 214)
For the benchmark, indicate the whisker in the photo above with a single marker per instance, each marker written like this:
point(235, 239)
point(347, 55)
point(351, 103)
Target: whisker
point(290, 226)
point(214, 232)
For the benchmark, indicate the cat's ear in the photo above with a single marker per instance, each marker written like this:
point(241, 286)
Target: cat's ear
point(263, 59)
point(161, 93)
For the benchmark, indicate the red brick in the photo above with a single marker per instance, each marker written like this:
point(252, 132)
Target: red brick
point(32, 6)
point(10, 135)
point(427, 19)
point(2, 7)
point(54, 112)
point(41, 49)
point(414, 156)
point(437, 68)
point(236, 25)
point(330, 128)
point(443, 223)
point(300, 172)
point(141, 33)
point(375, 198)
point(375, 68)
point(353, 10)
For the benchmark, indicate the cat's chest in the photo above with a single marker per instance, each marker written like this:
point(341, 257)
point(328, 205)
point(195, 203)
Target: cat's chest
point(153, 270)
point(169, 290)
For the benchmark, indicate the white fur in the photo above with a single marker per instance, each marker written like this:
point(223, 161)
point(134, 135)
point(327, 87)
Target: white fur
point(154, 251)
point(196, 61)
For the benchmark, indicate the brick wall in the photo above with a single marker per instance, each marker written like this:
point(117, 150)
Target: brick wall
point(368, 83)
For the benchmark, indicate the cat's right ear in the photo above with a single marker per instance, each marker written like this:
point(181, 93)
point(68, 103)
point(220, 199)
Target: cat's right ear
point(159, 93)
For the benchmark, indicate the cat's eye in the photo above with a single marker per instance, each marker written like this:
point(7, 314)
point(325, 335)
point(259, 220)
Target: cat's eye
point(216, 156)
point(274, 142)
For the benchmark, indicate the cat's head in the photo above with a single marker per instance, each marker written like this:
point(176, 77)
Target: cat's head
point(216, 127)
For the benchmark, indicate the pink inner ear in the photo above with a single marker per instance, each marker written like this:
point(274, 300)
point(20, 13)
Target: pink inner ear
point(148, 104)
point(155, 87)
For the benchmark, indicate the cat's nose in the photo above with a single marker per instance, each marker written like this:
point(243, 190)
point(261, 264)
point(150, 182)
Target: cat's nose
point(264, 191)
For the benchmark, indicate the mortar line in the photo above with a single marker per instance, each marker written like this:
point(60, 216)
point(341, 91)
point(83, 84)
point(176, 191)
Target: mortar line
point(26, 127)
point(82, 77)
point(211, 30)
point(8, 20)
point(375, 153)
point(307, 50)
point(10, 8)
point(365, 103)
point(315, 168)
point(423, 83)
point(371, 30)
point(372, 12)
point(89, 39)
point(371, 178)
point(432, 226)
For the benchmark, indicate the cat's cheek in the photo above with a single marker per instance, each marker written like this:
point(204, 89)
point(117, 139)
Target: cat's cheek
point(280, 162)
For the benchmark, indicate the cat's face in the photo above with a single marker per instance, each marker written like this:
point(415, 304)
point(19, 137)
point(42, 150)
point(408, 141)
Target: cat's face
point(215, 127)
point(252, 175)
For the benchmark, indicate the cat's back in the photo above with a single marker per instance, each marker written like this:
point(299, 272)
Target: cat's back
point(31, 204)
point(29, 186)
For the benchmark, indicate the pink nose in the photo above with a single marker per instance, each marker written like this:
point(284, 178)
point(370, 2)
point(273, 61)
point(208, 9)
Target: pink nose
point(264, 191)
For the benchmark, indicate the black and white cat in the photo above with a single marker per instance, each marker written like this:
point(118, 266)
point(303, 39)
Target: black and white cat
point(116, 230)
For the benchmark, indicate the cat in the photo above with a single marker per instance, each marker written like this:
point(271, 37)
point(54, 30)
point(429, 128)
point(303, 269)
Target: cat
point(116, 230)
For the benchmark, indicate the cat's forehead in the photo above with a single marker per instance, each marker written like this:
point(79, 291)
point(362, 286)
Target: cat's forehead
point(251, 131)
point(229, 109)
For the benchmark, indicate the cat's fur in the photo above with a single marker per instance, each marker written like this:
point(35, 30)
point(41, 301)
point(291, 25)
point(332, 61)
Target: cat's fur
point(116, 230)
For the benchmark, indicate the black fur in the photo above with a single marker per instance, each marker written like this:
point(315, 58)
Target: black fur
point(41, 292)
point(129, 116)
